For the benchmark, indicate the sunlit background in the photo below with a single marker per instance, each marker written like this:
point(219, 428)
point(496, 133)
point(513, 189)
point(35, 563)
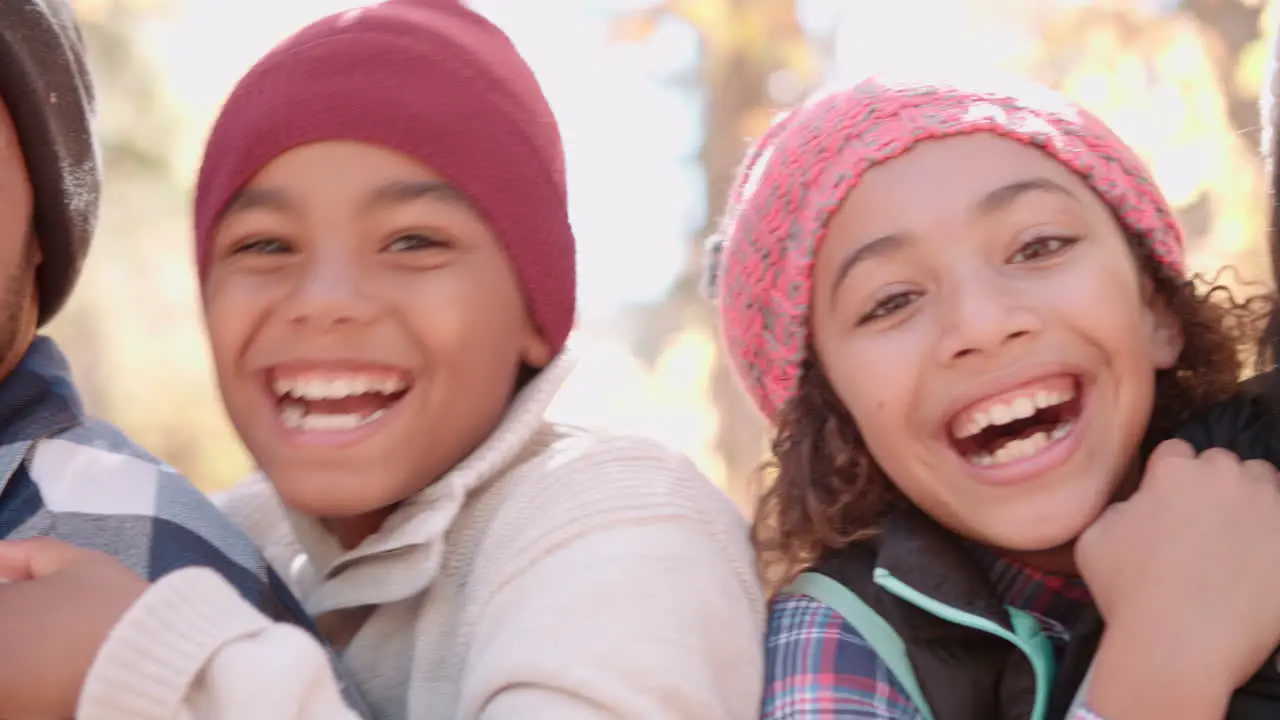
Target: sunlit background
point(655, 100)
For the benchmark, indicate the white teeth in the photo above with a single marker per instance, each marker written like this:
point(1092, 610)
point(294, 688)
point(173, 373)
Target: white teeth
point(1023, 407)
point(293, 414)
point(1061, 431)
point(301, 397)
point(1007, 412)
point(296, 417)
point(1023, 447)
point(336, 388)
point(1019, 449)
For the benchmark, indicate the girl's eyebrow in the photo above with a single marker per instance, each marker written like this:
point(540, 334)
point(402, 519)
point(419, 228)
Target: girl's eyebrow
point(883, 245)
point(1003, 196)
point(992, 202)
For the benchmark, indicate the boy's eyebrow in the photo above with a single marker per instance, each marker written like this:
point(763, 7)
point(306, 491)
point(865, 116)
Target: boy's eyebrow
point(256, 198)
point(996, 200)
point(389, 194)
point(403, 191)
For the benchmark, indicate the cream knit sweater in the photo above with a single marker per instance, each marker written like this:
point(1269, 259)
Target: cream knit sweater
point(553, 574)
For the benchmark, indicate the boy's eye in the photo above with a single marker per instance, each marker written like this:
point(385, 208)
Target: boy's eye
point(889, 306)
point(1043, 247)
point(262, 246)
point(413, 241)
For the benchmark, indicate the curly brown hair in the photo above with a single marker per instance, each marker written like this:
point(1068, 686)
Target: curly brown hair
point(824, 491)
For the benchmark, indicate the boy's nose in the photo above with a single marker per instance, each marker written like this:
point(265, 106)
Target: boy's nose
point(331, 291)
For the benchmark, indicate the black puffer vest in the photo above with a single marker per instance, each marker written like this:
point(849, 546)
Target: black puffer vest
point(965, 673)
point(969, 674)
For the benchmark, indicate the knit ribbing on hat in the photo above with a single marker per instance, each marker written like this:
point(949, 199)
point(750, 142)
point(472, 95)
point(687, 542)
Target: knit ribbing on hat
point(798, 174)
point(45, 83)
point(428, 79)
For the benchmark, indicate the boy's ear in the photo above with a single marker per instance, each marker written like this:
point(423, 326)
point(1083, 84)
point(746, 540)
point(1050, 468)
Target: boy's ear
point(534, 351)
point(1166, 339)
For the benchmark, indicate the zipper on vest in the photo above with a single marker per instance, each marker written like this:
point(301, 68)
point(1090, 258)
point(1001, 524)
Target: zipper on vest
point(1027, 635)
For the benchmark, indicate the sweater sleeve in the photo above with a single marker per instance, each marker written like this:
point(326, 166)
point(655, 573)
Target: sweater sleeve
point(192, 649)
point(631, 599)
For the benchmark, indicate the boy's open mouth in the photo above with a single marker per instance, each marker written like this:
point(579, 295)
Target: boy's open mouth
point(1018, 424)
point(334, 401)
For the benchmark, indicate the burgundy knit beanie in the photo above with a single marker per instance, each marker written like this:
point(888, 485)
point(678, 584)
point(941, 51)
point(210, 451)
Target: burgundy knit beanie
point(796, 176)
point(433, 80)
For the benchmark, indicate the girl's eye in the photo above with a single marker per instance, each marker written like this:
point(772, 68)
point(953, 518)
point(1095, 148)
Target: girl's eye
point(889, 306)
point(414, 241)
point(1043, 247)
point(262, 246)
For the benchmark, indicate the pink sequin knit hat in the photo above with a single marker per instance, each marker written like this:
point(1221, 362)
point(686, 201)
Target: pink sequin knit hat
point(795, 177)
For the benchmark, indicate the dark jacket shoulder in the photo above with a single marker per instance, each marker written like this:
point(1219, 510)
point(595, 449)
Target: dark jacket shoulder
point(1247, 424)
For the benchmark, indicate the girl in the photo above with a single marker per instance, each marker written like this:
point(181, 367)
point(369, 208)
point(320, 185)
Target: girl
point(387, 272)
point(962, 306)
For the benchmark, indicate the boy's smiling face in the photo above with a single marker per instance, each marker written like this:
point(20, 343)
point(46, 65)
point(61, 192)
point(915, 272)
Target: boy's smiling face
point(980, 313)
point(367, 328)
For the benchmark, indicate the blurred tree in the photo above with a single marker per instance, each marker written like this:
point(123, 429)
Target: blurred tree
point(119, 71)
point(132, 329)
point(754, 58)
point(1177, 79)
point(1233, 34)
point(1180, 83)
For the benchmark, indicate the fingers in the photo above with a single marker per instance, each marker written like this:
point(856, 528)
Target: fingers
point(1262, 470)
point(1172, 450)
point(1259, 471)
point(1222, 459)
point(1221, 456)
point(1175, 462)
point(35, 558)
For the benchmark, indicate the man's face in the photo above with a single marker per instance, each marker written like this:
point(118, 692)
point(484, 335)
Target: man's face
point(19, 252)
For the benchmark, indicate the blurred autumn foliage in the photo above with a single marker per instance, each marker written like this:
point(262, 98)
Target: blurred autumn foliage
point(1179, 80)
point(132, 329)
point(1180, 83)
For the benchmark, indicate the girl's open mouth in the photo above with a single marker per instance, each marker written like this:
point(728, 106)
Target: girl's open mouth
point(1018, 424)
point(334, 401)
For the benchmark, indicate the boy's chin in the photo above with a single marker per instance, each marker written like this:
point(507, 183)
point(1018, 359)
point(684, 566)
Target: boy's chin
point(320, 497)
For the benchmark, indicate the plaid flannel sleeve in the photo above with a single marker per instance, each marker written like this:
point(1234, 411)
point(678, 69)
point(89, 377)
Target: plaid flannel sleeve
point(92, 487)
point(817, 667)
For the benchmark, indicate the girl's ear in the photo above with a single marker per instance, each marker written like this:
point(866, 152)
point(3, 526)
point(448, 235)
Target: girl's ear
point(1166, 336)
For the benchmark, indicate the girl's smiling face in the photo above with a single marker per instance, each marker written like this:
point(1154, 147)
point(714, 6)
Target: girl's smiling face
point(980, 312)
